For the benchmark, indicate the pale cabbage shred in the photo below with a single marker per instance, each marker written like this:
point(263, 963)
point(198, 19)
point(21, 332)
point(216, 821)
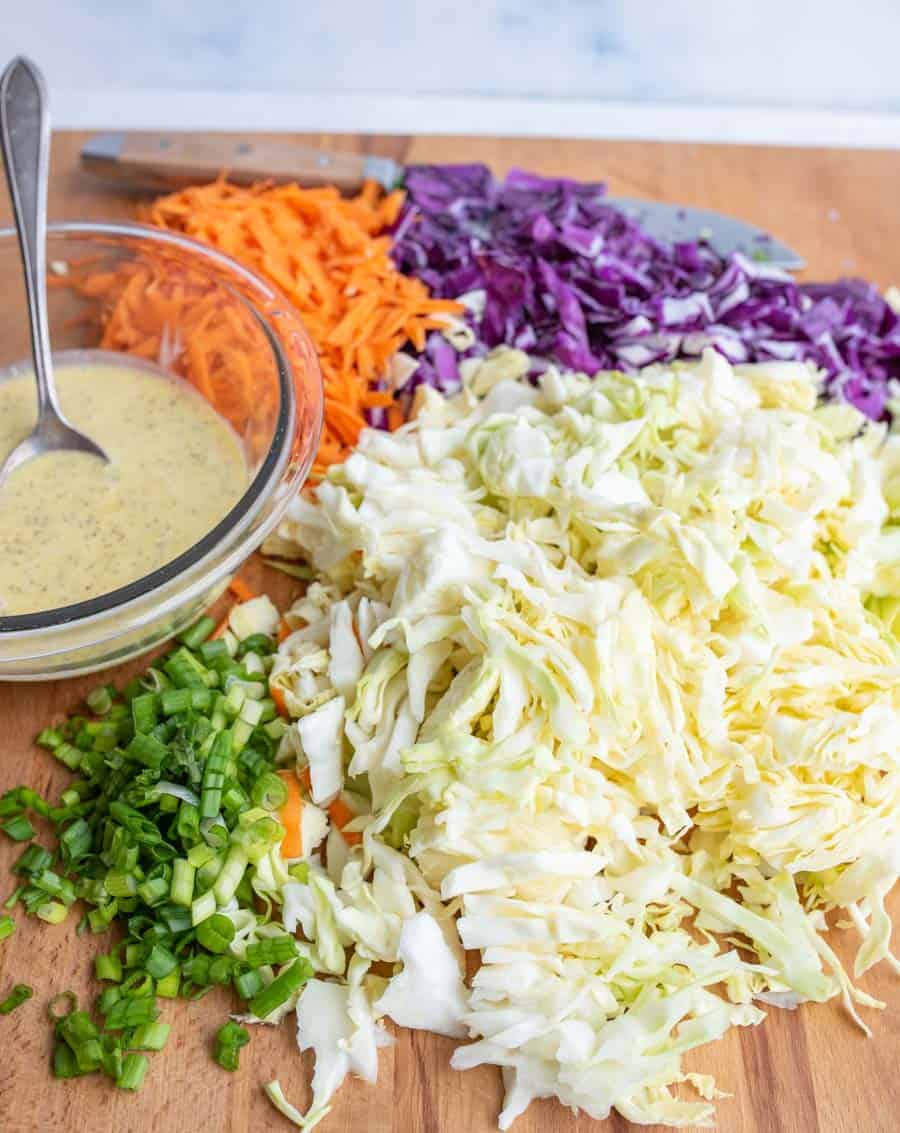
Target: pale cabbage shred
point(617, 652)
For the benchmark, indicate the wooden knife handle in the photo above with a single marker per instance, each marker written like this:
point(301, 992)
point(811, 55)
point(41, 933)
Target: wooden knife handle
point(163, 160)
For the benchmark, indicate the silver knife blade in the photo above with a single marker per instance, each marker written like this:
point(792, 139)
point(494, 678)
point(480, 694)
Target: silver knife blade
point(673, 223)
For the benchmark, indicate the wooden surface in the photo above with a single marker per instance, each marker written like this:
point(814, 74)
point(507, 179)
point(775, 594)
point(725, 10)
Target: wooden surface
point(808, 1071)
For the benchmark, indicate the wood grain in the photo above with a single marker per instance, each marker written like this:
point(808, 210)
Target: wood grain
point(809, 1071)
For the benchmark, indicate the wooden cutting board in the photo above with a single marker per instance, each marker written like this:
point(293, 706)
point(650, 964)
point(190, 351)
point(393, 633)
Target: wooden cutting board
point(808, 1071)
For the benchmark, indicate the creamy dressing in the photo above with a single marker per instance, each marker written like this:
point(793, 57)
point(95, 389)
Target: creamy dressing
point(72, 527)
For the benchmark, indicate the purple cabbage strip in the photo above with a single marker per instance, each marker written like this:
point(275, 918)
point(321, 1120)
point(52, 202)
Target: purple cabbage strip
point(571, 279)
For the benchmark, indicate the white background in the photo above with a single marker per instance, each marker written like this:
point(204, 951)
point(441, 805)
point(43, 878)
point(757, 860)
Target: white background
point(745, 69)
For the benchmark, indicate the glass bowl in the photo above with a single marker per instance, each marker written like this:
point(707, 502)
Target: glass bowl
point(197, 314)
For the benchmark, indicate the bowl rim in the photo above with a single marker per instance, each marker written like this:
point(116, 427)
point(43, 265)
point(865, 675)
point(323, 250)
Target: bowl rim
point(241, 514)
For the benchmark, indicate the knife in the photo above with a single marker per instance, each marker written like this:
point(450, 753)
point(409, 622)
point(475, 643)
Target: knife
point(166, 161)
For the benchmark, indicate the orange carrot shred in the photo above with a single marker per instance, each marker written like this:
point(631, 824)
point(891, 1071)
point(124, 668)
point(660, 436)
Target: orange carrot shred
point(290, 814)
point(221, 629)
point(278, 696)
point(241, 590)
point(284, 630)
point(340, 814)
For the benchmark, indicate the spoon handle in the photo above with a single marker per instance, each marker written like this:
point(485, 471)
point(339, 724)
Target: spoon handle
point(25, 143)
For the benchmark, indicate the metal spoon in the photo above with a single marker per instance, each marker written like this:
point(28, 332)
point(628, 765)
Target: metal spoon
point(25, 143)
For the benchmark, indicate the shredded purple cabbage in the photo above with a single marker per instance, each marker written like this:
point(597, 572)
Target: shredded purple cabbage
point(569, 278)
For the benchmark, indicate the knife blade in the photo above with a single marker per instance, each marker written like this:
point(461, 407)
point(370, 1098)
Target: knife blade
point(166, 161)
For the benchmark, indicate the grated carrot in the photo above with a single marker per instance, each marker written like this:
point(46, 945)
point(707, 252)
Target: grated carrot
point(221, 629)
point(290, 815)
point(328, 256)
point(241, 590)
point(340, 814)
point(280, 704)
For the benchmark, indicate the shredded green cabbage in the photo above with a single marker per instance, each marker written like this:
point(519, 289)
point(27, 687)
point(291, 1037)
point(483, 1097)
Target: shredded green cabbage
point(617, 662)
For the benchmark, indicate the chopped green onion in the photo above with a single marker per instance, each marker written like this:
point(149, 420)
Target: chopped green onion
point(145, 711)
point(275, 729)
point(268, 711)
point(99, 919)
point(214, 776)
point(229, 1040)
point(200, 854)
point(128, 1012)
point(19, 994)
point(176, 918)
point(33, 861)
point(203, 907)
point(55, 886)
point(208, 872)
point(215, 933)
point(154, 891)
point(269, 791)
point(221, 970)
point(18, 828)
point(249, 983)
point(198, 633)
point(75, 841)
point(197, 969)
point(167, 987)
point(119, 883)
point(182, 889)
point(70, 755)
point(160, 962)
point(188, 822)
point(50, 738)
point(176, 700)
point(150, 1036)
point(154, 680)
point(254, 689)
point(107, 998)
point(234, 800)
point(10, 803)
point(108, 966)
point(187, 671)
point(53, 912)
point(274, 950)
point(234, 700)
point(201, 699)
point(213, 650)
point(147, 749)
point(245, 894)
point(112, 1056)
point(134, 1069)
point(78, 1031)
point(232, 872)
point(240, 733)
point(280, 990)
point(64, 1064)
point(99, 700)
point(256, 643)
point(253, 664)
point(171, 810)
point(68, 997)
